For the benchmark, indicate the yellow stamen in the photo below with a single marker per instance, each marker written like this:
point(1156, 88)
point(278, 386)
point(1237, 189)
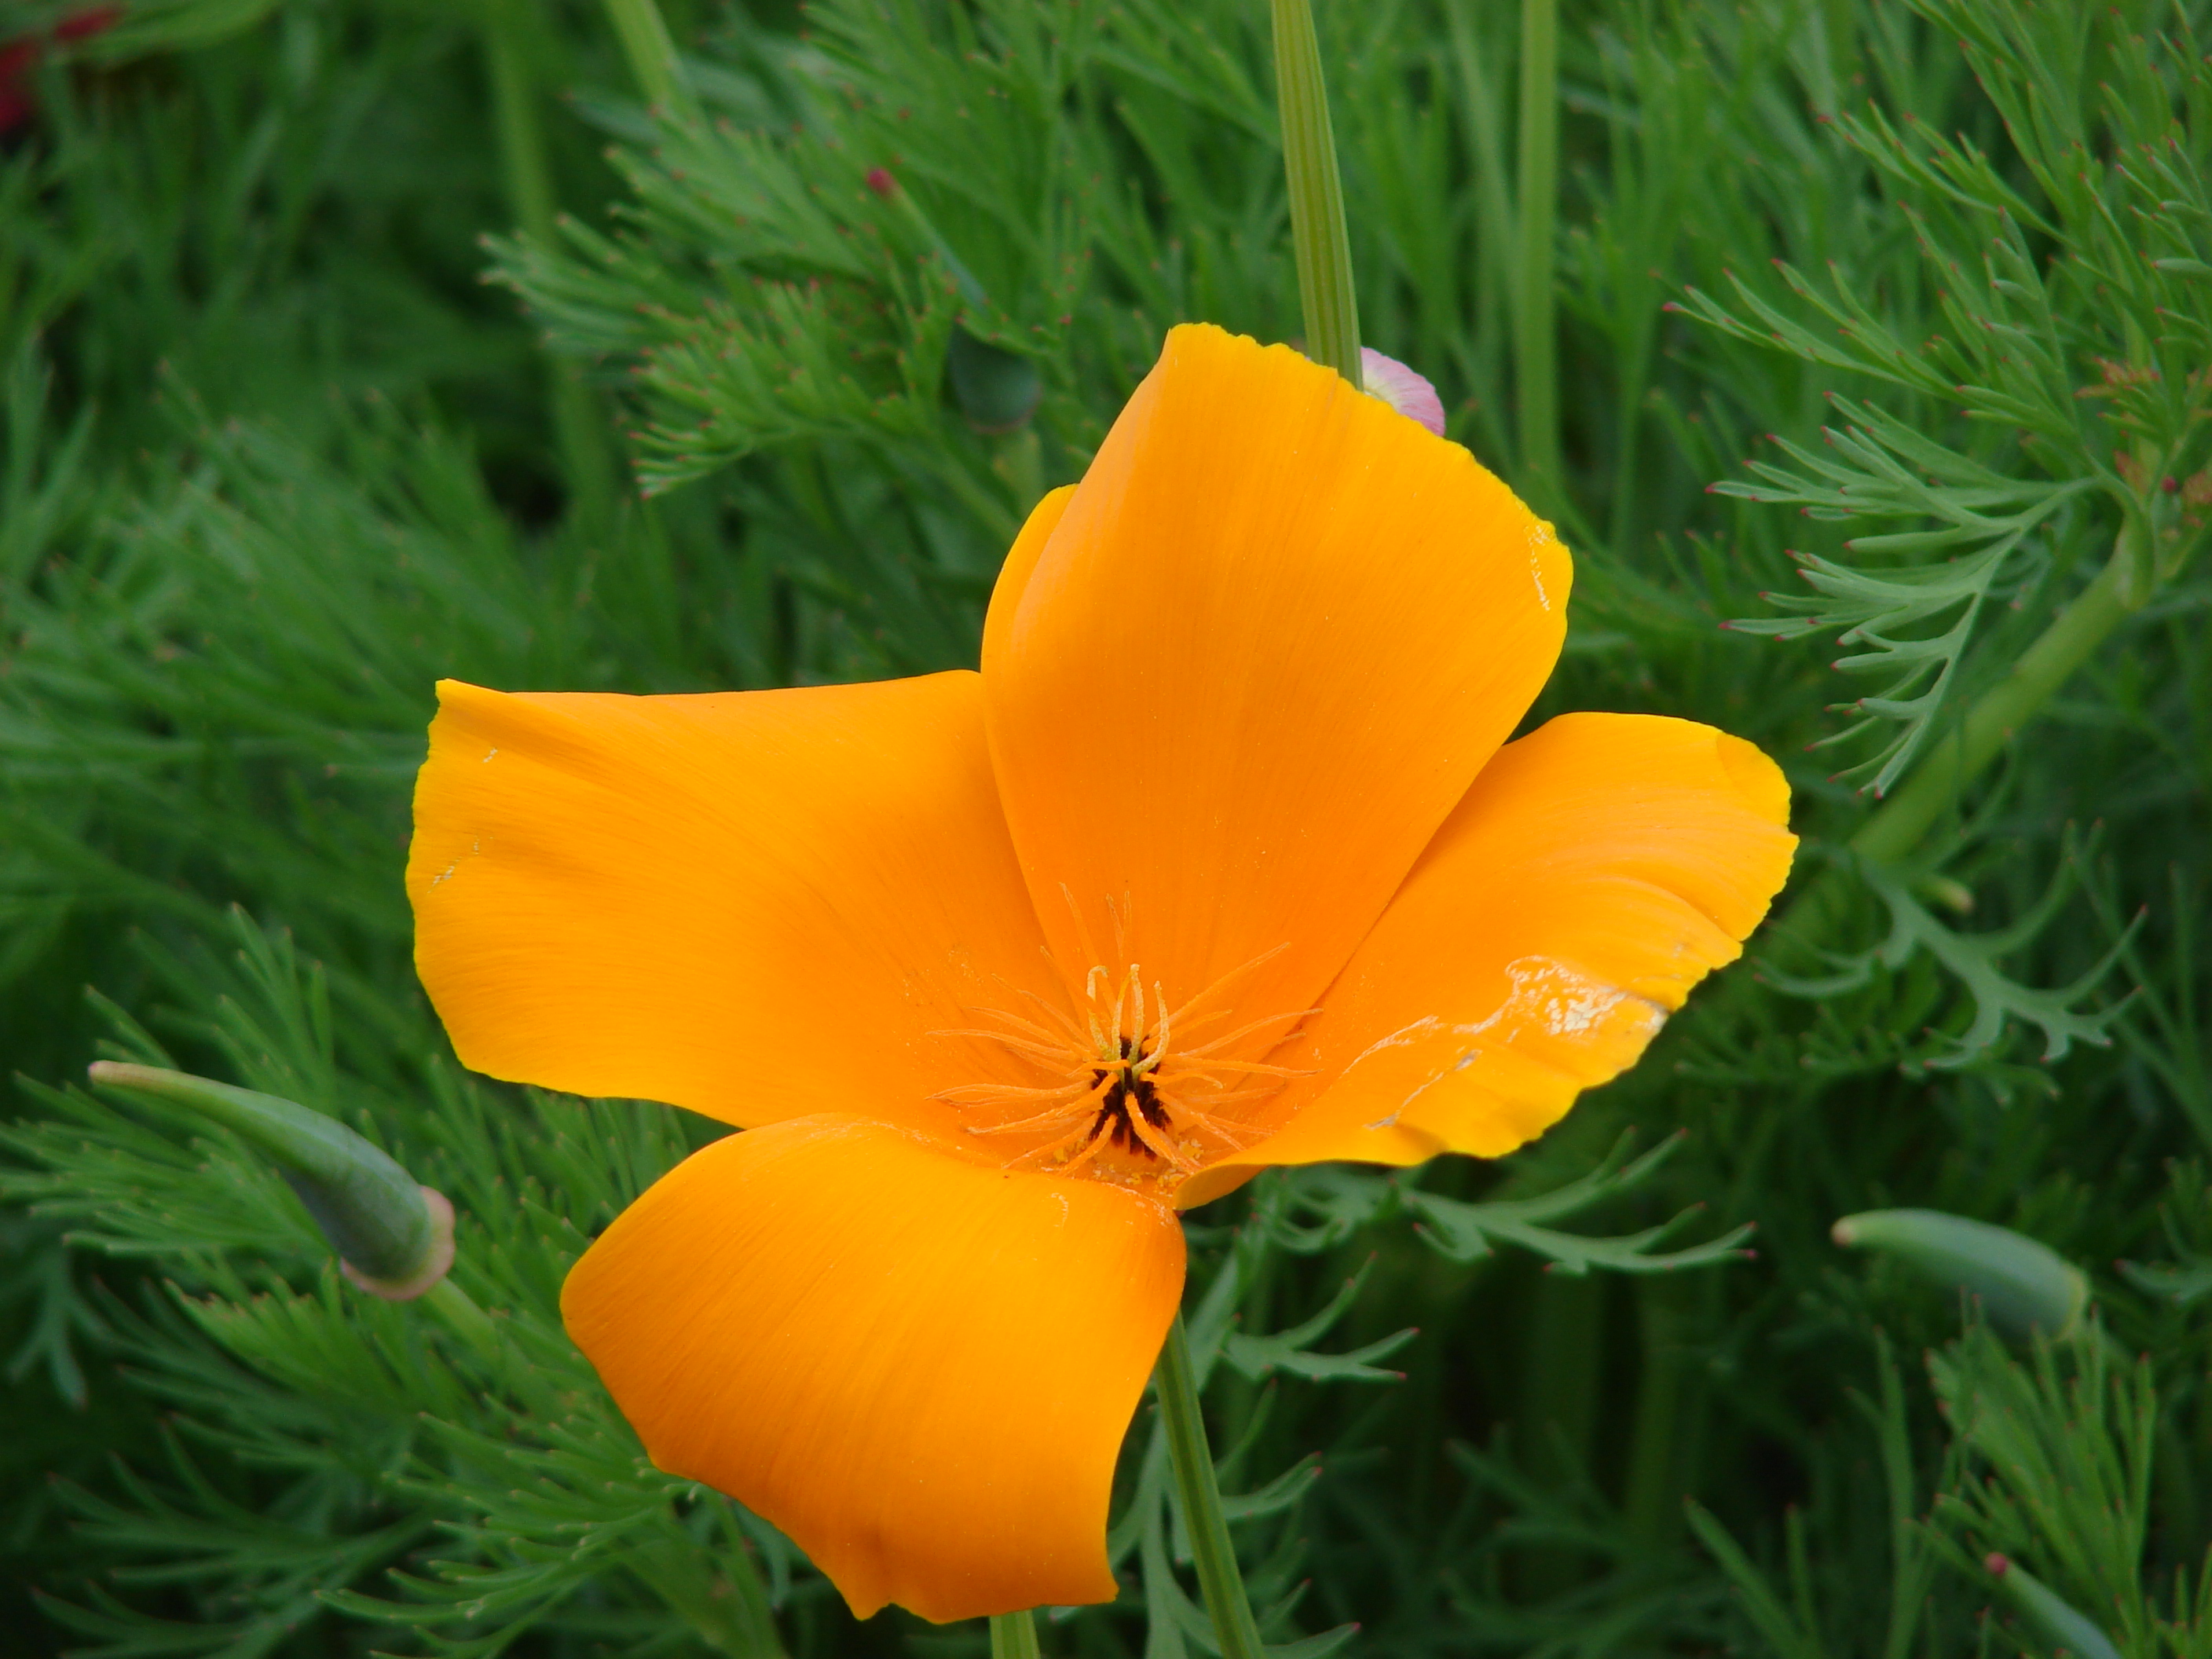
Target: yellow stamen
point(1131, 1104)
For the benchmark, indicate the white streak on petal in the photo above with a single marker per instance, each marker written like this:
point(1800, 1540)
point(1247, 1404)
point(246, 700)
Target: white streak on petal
point(1539, 538)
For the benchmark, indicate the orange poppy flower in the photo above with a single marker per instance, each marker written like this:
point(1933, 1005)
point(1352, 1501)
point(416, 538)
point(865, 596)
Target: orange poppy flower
point(1222, 861)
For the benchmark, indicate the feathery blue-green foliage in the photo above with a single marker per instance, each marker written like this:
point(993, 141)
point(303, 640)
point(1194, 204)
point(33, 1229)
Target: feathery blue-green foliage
point(346, 345)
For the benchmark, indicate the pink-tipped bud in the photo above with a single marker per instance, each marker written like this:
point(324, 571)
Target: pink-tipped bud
point(393, 1238)
point(879, 180)
point(1409, 393)
point(2021, 1283)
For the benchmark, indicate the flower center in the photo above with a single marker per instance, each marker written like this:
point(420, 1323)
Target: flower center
point(1132, 1090)
point(1131, 1097)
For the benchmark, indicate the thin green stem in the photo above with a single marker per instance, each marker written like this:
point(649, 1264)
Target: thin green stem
point(1212, 1552)
point(1536, 368)
point(651, 56)
point(1013, 1635)
point(1564, 1361)
point(461, 1316)
point(1320, 244)
point(458, 1312)
point(1896, 831)
point(2078, 630)
point(577, 426)
point(523, 165)
point(1653, 1501)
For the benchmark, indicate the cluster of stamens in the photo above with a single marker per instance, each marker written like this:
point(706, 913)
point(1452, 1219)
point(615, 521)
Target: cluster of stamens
point(1123, 1076)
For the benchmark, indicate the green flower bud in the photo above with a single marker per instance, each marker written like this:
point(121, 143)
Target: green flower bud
point(2059, 1624)
point(997, 391)
point(2022, 1286)
point(393, 1238)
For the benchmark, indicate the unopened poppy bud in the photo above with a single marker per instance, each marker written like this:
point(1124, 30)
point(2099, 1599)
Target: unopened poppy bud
point(1409, 393)
point(2059, 1624)
point(2021, 1285)
point(393, 1238)
point(996, 389)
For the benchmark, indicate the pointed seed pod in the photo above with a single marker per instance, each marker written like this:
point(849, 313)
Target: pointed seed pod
point(2021, 1285)
point(393, 1238)
point(2056, 1622)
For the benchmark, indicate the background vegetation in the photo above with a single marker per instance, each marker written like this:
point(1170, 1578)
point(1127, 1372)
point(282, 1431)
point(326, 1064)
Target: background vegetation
point(336, 339)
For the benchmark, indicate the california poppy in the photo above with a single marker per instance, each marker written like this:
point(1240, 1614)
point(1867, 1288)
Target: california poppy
point(1221, 861)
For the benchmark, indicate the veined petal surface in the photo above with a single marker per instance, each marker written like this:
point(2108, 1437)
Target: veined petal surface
point(920, 1368)
point(1597, 870)
point(749, 904)
point(1274, 635)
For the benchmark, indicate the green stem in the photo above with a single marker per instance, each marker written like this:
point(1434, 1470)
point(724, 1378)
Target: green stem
point(464, 1318)
point(1896, 831)
point(1564, 1359)
point(1653, 1501)
point(1535, 349)
point(1215, 1556)
point(1492, 298)
point(458, 1312)
point(1013, 1635)
point(1898, 828)
point(577, 426)
point(651, 56)
point(528, 180)
point(1319, 242)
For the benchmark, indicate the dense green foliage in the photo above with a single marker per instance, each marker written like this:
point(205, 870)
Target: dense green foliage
point(274, 457)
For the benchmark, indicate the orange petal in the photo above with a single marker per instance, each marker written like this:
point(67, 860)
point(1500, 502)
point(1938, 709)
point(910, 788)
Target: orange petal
point(1020, 562)
point(751, 903)
point(1598, 869)
point(919, 1367)
point(1273, 636)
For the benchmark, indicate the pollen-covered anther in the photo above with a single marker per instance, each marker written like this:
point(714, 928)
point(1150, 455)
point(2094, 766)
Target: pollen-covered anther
point(1128, 1097)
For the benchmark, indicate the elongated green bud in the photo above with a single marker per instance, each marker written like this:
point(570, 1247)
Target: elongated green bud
point(392, 1237)
point(2022, 1286)
point(2066, 1630)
